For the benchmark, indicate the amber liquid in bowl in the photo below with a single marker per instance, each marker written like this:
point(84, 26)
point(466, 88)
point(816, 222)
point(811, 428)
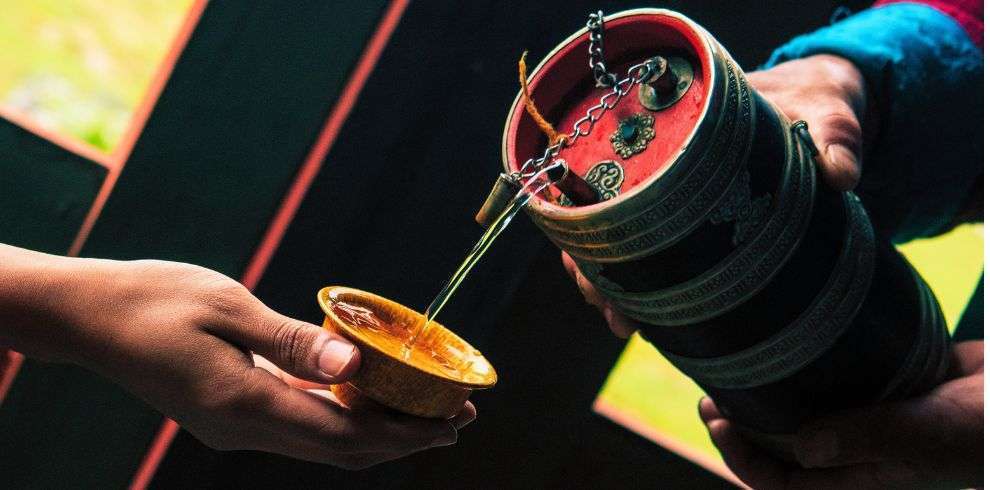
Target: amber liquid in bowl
point(428, 352)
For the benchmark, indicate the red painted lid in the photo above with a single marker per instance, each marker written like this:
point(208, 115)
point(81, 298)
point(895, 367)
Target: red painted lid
point(563, 88)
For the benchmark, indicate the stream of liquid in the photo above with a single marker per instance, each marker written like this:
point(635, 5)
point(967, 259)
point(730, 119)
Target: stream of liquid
point(484, 243)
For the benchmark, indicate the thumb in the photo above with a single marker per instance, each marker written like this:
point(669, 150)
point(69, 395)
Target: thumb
point(309, 352)
point(837, 134)
point(299, 348)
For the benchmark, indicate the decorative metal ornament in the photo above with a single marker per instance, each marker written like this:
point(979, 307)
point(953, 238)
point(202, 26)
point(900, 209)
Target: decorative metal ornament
point(633, 134)
point(606, 177)
point(668, 86)
point(740, 207)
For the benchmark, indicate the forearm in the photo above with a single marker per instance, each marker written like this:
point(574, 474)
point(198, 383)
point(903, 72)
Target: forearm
point(39, 312)
point(924, 76)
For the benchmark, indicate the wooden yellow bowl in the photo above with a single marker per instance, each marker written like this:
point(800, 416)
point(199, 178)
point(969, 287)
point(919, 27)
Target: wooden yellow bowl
point(434, 380)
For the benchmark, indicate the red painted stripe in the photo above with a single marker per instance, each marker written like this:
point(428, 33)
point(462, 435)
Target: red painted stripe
point(313, 162)
point(967, 13)
point(290, 203)
point(138, 120)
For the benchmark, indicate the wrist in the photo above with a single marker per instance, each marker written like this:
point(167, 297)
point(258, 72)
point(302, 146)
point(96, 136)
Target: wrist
point(42, 300)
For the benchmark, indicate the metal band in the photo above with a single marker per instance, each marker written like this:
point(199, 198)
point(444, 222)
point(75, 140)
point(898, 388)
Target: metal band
point(817, 329)
point(927, 360)
point(668, 218)
point(744, 272)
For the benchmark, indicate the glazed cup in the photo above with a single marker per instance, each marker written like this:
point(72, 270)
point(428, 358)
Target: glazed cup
point(387, 377)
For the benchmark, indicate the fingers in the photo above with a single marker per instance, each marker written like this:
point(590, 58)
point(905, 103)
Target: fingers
point(746, 461)
point(707, 410)
point(298, 424)
point(880, 433)
point(836, 131)
point(591, 295)
point(620, 325)
point(465, 417)
point(760, 470)
point(749, 463)
point(299, 348)
point(291, 380)
point(967, 358)
point(829, 93)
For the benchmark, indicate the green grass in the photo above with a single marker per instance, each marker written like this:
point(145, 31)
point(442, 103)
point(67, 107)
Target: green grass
point(80, 67)
point(643, 385)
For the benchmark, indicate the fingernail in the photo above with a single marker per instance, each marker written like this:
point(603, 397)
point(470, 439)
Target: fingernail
point(607, 313)
point(844, 164)
point(448, 439)
point(712, 426)
point(335, 356)
point(462, 422)
point(818, 449)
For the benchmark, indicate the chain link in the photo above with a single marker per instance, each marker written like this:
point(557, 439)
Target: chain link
point(636, 74)
point(596, 50)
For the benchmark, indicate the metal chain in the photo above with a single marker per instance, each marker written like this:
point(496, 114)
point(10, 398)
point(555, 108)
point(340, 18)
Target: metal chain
point(636, 74)
point(582, 127)
point(596, 50)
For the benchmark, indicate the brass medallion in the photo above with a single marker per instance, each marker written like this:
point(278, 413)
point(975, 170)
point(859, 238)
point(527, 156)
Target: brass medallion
point(606, 177)
point(633, 134)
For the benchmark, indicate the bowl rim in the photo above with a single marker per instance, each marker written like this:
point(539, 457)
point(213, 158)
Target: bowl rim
point(353, 334)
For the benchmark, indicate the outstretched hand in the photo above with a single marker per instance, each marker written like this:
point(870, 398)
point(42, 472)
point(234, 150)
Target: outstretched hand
point(181, 337)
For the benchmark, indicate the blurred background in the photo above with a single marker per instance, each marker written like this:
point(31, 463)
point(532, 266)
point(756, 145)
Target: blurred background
point(81, 67)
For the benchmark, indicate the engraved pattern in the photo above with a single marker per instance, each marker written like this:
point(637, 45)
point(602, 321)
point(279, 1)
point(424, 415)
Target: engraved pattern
point(687, 205)
point(758, 260)
point(606, 177)
point(593, 270)
point(813, 333)
point(916, 358)
point(740, 207)
point(927, 359)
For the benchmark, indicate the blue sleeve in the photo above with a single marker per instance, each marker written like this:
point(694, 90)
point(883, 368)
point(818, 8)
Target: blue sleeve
point(925, 79)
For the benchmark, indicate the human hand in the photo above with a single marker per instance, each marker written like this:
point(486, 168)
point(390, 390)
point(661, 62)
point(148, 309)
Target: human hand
point(826, 91)
point(933, 441)
point(180, 337)
point(829, 93)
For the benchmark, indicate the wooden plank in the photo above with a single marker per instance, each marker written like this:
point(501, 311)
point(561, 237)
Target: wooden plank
point(45, 190)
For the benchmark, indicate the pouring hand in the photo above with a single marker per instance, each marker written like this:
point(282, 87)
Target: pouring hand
point(830, 94)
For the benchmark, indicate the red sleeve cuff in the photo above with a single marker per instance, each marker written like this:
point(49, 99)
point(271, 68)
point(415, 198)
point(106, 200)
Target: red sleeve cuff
point(968, 13)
